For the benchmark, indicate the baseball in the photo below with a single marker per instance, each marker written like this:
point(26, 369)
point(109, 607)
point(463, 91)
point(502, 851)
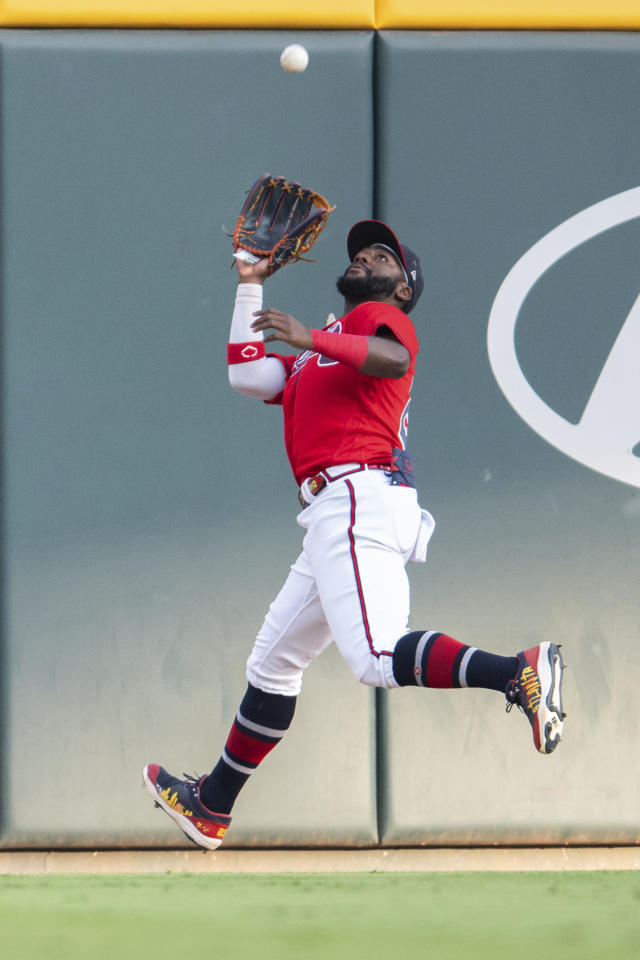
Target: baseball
point(294, 58)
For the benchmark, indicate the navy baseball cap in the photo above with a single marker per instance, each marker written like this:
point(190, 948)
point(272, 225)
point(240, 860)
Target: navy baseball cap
point(366, 233)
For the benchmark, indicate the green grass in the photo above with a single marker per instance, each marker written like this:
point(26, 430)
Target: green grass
point(329, 916)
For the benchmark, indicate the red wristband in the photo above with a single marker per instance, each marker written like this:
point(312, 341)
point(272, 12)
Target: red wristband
point(245, 352)
point(349, 348)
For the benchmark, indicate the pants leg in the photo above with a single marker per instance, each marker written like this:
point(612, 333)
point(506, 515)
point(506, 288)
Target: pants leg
point(349, 584)
point(360, 534)
point(294, 632)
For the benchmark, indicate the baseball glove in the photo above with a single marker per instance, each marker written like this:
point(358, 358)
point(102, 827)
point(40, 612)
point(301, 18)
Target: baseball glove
point(280, 220)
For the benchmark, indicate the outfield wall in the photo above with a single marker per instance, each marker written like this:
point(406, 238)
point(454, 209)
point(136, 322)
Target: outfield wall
point(149, 513)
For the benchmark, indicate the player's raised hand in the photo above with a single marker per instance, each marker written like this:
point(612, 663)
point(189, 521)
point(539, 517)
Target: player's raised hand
point(252, 272)
point(285, 328)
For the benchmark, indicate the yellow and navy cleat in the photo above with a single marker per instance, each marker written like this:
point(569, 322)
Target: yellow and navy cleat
point(537, 690)
point(181, 800)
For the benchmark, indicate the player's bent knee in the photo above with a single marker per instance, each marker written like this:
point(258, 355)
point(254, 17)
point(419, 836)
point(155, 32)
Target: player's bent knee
point(371, 673)
point(287, 685)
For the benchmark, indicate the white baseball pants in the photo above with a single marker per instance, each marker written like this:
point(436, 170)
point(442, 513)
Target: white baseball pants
point(349, 584)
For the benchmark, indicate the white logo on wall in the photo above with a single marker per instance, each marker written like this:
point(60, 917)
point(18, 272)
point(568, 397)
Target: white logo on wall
point(609, 428)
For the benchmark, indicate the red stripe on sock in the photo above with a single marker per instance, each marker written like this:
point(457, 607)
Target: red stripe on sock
point(244, 747)
point(441, 660)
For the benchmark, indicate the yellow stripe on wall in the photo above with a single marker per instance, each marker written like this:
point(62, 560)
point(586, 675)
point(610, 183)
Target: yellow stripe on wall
point(508, 14)
point(282, 14)
point(326, 14)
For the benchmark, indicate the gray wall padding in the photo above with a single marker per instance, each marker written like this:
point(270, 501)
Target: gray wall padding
point(149, 512)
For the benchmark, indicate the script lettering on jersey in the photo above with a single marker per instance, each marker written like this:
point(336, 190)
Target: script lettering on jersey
point(403, 432)
point(303, 359)
point(402, 462)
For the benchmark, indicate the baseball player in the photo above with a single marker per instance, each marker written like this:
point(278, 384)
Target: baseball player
point(345, 397)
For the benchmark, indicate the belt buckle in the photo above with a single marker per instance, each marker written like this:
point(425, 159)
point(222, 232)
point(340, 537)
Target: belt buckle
point(311, 487)
point(316, 484)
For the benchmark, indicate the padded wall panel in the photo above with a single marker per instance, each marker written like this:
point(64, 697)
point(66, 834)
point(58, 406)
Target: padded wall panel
point(487, 144)
point(149, 512)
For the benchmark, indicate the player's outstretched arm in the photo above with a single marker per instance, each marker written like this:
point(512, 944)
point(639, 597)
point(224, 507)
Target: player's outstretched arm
point(379, 356)
point(251, 372)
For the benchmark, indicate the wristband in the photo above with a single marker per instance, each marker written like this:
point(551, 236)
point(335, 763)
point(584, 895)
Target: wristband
point(349, 348)
point(245, 352)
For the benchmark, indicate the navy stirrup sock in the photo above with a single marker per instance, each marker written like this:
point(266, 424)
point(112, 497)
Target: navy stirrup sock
point(431, 659)
point(261, 722)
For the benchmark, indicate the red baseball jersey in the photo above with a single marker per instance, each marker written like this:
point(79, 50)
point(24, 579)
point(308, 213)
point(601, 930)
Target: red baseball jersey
point(333, 413)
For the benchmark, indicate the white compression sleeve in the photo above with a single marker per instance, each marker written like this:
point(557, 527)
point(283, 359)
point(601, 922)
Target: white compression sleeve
point(248, 299)
point(265, 377)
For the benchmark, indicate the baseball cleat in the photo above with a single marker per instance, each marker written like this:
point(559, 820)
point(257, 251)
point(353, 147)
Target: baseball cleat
point(537, 690)
point(181, 800)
